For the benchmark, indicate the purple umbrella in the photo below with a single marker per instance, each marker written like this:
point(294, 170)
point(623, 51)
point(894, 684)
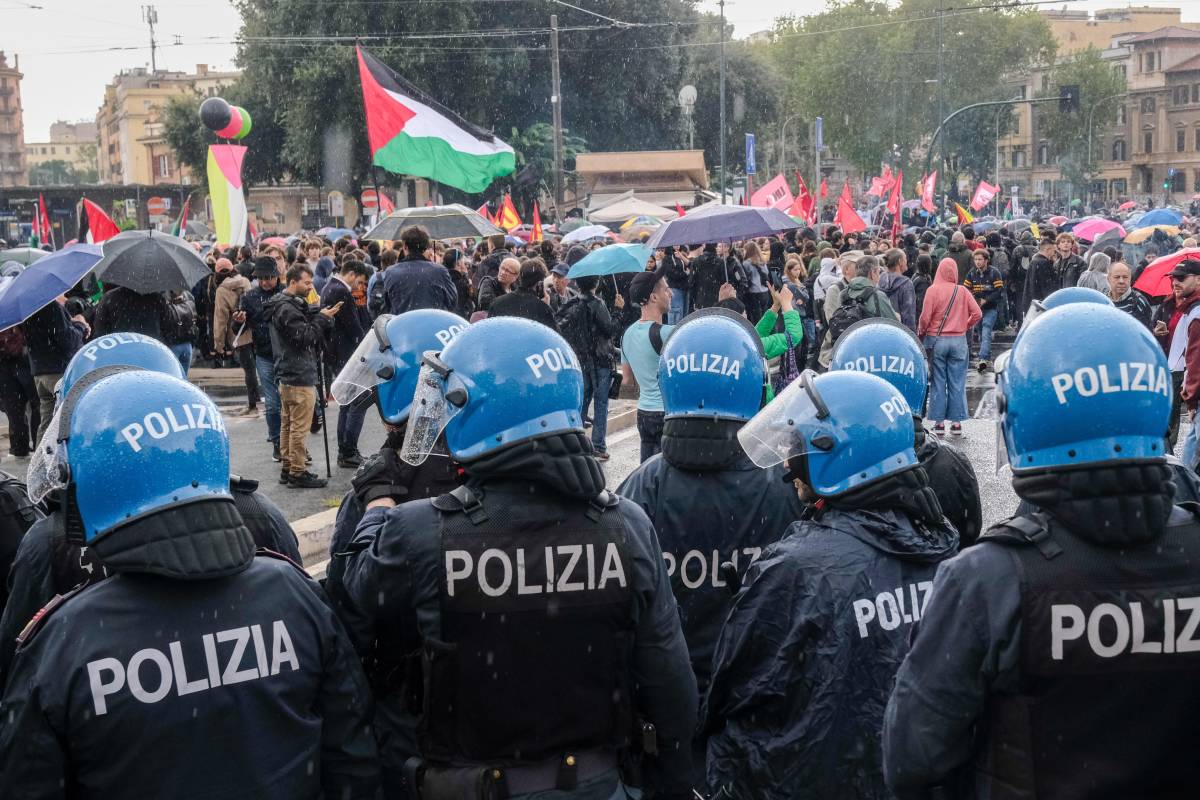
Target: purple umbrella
point(1092, 229)
point(722, 224)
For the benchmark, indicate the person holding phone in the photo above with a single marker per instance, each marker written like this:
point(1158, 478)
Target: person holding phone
point(348, 329)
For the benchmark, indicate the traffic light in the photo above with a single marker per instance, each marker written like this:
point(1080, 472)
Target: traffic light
point(1068, 99)
point(1169, 179)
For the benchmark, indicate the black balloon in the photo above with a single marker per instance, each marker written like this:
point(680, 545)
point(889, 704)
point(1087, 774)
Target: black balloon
point(215, 113)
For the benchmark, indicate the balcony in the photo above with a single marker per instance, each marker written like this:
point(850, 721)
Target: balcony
point(6, 91)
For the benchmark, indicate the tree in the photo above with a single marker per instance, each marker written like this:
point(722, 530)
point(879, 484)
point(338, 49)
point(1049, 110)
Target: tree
point(1101, 90)
point(55, 172)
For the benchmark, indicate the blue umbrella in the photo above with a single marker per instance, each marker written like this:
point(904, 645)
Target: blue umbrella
point(333, 234)
point(722, 224)
point(44, 280)
point(611, 260)
point(585, 232)
point(1159, 216)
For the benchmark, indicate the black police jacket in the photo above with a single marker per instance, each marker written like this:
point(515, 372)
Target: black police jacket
point(804, 664)
point(952, 477)
point(47, 565)
point(236, 681)
point(990, 650)
point(704, 520)
point(395, 576)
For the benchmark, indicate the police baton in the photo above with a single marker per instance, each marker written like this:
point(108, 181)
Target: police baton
point(321, 403)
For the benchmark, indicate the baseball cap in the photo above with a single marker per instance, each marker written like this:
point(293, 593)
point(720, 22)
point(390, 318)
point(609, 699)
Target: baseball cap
point(643, 285)
point(560, 269)
point(1189, 266)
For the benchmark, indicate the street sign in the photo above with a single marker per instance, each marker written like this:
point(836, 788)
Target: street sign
point(751, 169)
point(157, 206)
point(819, 131)
point(337, 204)
point(370, 201)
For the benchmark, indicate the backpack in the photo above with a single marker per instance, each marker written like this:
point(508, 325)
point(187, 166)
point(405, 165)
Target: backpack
point(852, 310)
point(17, 515)
point(575, 325)
point(377, 298)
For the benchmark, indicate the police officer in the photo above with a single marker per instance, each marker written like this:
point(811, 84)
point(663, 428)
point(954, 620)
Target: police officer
point(1069, 628)
point(709, 503)
point(550, 645)
point(387, 363)
point(886, 348)
point(51, 560)
point(804, 663)
point(196, 665)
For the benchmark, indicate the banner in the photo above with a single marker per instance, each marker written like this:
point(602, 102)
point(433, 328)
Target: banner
point(774, 194)
point(927, 192)
point(230, 220)
point(983, 195)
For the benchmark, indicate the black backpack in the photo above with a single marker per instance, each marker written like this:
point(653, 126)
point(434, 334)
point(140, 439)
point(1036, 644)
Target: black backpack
point(575, 325)
point(852, 310)
point(17, 515)
point(376, 301)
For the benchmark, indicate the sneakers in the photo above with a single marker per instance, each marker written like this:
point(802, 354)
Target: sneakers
point(955, 429)
point(275, 452)
point(983, 366)
point(602, 455)
point(248, 411)
point(939, 428)
point(349, 460)
point(284, 478)
point(306, 480)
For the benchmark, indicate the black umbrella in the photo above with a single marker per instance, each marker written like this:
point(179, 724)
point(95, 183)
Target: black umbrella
point(443, 222)
point(197, 228)
point(149, 262)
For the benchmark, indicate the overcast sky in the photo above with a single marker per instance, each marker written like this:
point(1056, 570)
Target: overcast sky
point(64, 44)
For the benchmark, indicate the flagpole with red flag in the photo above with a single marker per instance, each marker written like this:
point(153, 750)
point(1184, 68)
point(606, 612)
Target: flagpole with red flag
point(536, 236)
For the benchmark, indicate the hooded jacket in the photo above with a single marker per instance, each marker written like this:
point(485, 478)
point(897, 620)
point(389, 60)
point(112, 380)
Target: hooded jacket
point(804, 664)
point(860, 289)
point(1096, 276)
point(962, 259)
point(280, 710)
point(122, 309)
point(902, 296)
point(229, 300)
point(962, 316)
point(830, 274)
point(297, 334)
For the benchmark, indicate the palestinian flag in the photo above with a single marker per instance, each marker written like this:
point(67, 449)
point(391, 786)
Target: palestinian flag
point(94, 225)
point(180, 226)
point(411, 134)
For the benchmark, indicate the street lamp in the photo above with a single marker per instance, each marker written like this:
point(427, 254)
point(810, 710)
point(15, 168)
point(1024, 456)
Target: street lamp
point(783, 141)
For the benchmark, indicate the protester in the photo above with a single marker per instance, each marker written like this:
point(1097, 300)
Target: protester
point(895, 283)
point(500, 284)
point(961, 253)
point(1043, 278)
point(266, 286)
point(232, 336)
point(1179, 334)
point(1096, 276)
point(348, 329)
point(1067, 263)
point(640, 349)
point(757, 295)
point(559, 288)
point(676, 266)
point(922, 279)
point(846, 267)
point(18, 393)
point(52, 338)
point(588, 327)
point(296, 335)
point(986, 285)
point(455, 262)
point(122, 309)
point(1126, 298)
point(529, 299)
point(949, 312)
point(415, 282)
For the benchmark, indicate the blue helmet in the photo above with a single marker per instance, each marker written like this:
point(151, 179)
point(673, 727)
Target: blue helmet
point(1087, 384)
point(888, 349)
point(1063, 297)
point(713, 366)
point(388, 359)
point(128, 442)
point(502, 381)
point(125, 348)
point(845, 428)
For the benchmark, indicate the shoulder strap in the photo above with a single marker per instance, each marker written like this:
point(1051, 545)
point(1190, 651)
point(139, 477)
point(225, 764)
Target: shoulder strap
point(265, 553)
point(656, 340)
point(1022, 531)
point(949, 306)
point(35, 624)
point(601, 503)
point(462, 499)
point(244, 485)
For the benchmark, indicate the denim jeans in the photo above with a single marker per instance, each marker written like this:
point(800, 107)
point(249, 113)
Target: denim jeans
point(270, 395)
point(184, 353)
point(350, 422)
point(650, 428)
point(678, 309)
point(596, 381)
point(1189, 446)
point(986, 326)
point(948, 386)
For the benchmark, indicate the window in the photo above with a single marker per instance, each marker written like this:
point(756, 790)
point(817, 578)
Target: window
point(1118, 150)
point(1147, 105)
point(1179, 181)
point(1021, 91)
point(1043, 154)
point(1196, 144)
point(1119, 70)
point(1121, 114)
point(1196, 92)
point(1148, 62)
point(1016, 124)
point(43, 151)
point(52, 152)
point(163, 166)
point(1045, 83)
point(1018, 158)
point(1148, 142)
point(1180, 140)
point(1180, 95)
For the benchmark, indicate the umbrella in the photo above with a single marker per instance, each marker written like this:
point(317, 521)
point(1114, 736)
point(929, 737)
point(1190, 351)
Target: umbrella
point(641, 221)
point(610, 260)
point(149, 263)
point(1057, 220)
point(722, 224)
point(572, 223)
point(1154, 280)
point(1128, 204)
point(984, 225)
point(453, 221)
point(586, 232)
point(333, 234)
point(1142, 234)
point(197, 228)
point(1015, 225)
point(38, 285)
point(277, 241)
point(512, 241)
point(25, 255)
point(11, 269)
point(1159, 216)
point(1092, 229)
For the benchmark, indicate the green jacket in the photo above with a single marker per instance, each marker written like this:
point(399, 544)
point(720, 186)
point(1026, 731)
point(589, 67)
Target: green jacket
point(877, 303)
point(775, 344)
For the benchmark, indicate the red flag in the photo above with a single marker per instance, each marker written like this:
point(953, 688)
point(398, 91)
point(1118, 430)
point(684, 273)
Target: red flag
point(983, 195)
point(385, 204)
point(679, 210)
point(824, 189)
point(94, 225)
point(537, 224)
point(846, 217)
point(35, 225)
point(805, 203)
point(893, 204)
point(483, 212)
point(506, 216)
point(879, 187)
point(927, 190)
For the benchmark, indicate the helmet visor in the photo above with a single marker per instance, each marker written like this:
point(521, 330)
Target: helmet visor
point(989, 408)
point(777, 433)
point(370, 366)
point(48, 466)
point(431, 410)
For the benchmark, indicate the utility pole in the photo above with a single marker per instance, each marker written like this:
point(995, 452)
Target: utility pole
point(150, 16)
point(556, 104)
point(941, 93)
point(722, 136)
point(817, 142)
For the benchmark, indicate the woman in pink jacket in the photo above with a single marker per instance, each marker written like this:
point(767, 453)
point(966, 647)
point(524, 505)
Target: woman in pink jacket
point(949, 312)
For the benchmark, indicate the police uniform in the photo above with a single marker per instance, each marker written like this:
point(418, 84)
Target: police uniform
point(953, 479)
point(196, 664)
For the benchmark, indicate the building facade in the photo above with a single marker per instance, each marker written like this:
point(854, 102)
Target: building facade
point(132, 145)
point(12, 124)
point(74, 143)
